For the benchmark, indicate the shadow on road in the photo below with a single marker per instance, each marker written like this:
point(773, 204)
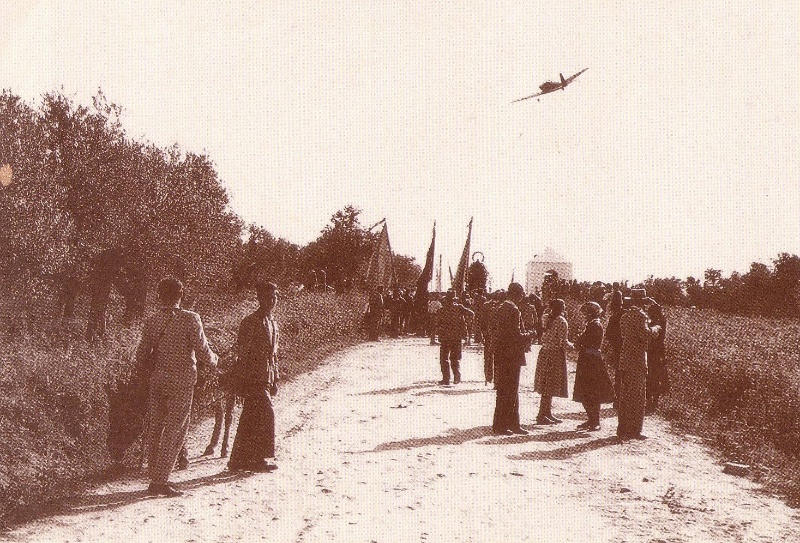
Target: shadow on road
point(566, 452)
point(398, 390)
point(452, 437)
point(548, 437)
point(100, 502)
point(604, 414)
point(452, 391)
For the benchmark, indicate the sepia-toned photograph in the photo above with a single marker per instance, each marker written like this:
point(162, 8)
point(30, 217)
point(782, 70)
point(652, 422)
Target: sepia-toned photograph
point(399, 271)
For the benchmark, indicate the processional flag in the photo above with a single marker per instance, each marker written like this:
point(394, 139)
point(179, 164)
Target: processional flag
point(380, 272)
point(461, 271)
point(439, 275)
point(421, 296)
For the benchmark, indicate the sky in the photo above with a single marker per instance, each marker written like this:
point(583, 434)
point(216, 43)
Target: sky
point(676, 151)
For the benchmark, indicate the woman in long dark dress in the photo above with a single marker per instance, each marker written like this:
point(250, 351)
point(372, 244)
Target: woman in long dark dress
point(592, 384)
point(257, 365)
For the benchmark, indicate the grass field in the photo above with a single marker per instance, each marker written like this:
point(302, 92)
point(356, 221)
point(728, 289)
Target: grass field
point(736, 382)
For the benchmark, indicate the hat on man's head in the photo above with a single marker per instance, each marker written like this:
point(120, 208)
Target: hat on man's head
point(591, 308)
point(515, 289)
point(638, 298)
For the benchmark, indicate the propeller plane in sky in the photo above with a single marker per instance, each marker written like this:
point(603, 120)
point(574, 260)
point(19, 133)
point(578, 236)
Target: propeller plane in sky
point(552, 86)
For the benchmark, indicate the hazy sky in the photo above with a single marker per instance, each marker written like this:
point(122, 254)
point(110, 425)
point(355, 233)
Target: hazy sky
point(675, 152)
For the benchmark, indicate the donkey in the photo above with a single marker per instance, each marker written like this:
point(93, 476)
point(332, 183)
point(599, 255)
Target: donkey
point(223, 412)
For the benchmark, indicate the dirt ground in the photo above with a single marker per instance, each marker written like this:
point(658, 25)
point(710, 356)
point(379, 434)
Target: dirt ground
point(371, 449)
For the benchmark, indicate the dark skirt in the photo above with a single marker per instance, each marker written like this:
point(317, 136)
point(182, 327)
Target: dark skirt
point(255, 436)
point(592, 383)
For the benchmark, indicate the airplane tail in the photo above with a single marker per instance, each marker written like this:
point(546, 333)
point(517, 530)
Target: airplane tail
point(563, 82)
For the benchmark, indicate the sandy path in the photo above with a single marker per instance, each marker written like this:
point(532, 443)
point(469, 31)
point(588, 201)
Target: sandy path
point(370, 449)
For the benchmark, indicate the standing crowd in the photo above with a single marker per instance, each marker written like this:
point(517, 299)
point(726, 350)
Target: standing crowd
point(622, 364)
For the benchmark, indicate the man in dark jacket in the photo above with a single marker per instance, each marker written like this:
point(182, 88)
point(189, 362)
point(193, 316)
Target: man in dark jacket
point(510, 340)
point(451, 328)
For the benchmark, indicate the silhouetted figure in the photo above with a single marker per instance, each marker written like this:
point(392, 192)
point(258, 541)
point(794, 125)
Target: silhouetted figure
point(452, 329)
point(509, 341)
point(551, 366)
point(592, 384)
point(657, 376)
point(636, 335)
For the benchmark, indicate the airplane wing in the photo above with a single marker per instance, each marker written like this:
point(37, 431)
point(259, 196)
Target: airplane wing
point(531, 96)
point(571, 78)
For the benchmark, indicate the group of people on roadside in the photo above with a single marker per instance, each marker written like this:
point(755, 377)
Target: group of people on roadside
point(511, 322)
point(173, 342)
point(389, 311)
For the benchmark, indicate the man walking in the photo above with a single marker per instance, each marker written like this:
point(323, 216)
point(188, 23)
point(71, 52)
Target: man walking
point(452, 329)
point(509, 341)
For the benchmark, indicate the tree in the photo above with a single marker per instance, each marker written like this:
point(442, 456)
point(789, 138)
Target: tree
point(758, 289)
point(694, 292)
point(87, 204)
point(341, 250)
point(665, 291)
point(406, 271)
point(787, 282)
point(265, 257)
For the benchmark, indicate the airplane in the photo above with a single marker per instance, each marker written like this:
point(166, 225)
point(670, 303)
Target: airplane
point(552, 86)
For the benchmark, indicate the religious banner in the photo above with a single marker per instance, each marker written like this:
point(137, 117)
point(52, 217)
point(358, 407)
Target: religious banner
point(380, 271)
point(461, 271)
point(421, 295)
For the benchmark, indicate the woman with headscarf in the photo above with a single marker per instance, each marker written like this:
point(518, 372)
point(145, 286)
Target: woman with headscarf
point(592, 384)
point(551, 366)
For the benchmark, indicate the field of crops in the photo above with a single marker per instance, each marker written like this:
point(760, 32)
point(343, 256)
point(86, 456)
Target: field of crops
point(736, 382)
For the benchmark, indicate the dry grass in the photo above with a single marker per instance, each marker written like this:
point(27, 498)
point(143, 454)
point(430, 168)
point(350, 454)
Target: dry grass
point(736, 382)
point(53, 404)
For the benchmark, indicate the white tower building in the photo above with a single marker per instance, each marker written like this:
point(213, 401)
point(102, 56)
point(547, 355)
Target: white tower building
point(543, 263)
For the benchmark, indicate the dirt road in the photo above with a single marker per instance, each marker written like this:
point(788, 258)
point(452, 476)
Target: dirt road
point(371, 449)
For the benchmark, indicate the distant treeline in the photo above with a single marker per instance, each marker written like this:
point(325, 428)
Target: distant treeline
point(85, 206)
point(767, 291)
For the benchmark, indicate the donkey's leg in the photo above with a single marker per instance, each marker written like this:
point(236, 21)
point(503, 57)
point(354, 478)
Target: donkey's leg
point(230, 402)
point(218, 407)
